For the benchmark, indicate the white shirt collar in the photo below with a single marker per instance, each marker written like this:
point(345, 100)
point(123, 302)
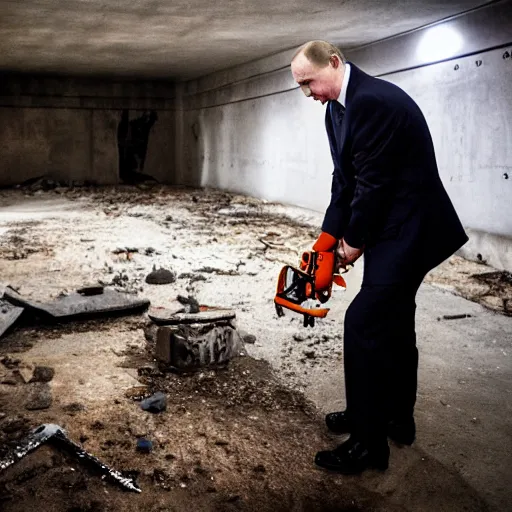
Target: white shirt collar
point(342, 98)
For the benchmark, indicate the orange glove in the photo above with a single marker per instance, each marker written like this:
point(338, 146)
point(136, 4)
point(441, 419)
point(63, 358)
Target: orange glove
point(325, 242)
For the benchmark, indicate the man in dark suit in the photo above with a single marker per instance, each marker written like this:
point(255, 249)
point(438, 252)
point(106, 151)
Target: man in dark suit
point(387, 201)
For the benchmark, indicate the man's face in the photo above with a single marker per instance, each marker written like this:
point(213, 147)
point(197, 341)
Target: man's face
point(322, 84)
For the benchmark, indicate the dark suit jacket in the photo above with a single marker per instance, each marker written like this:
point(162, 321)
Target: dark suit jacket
point(386, 192)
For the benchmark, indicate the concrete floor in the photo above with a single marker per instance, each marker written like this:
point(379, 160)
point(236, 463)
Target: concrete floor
point(461, 460)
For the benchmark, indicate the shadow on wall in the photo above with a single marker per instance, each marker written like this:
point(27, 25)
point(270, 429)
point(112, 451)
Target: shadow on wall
point(132, 143)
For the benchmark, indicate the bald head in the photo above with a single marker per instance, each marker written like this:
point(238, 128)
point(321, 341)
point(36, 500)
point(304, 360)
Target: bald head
point(318, 67)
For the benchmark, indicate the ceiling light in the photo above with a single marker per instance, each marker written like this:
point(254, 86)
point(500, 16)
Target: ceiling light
point(439, 43)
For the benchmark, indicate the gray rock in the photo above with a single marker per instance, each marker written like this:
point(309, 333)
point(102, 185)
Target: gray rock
point(144, 445)
point(190, 303)
point(249, 338)
point(40, 397)
point(43, 374)
point(155, 403)
point(161, 276)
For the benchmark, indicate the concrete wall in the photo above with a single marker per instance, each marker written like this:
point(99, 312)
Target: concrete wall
point(470, 117)
point(250, 130)
point(67, 128)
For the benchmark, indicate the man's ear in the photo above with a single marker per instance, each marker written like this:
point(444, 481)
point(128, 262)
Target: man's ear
point(334, 61)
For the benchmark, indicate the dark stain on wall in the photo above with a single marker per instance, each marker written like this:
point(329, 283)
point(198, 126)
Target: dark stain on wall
point(132, 143)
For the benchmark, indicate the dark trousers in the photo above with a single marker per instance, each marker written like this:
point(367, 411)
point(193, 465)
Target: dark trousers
point(381, 358)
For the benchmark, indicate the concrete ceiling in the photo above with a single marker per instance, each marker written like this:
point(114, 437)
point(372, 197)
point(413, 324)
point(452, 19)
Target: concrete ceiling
point(182, 39)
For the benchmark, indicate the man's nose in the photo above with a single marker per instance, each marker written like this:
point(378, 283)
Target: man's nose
point(306, 90)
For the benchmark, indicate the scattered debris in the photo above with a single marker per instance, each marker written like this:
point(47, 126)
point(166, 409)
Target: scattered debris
point(57, 435)
point(218, 271)
point(144, 445)
point(155, 403)
point(125, 250)
point(10, 362)
point(454, 317)
point(137, 392)
point(190, 303)
point(161, 276)
point(197, 278)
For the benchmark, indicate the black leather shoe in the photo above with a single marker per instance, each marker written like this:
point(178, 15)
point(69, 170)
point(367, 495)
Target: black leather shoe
point(337, 422)
point(353, 457)
point(402, 431)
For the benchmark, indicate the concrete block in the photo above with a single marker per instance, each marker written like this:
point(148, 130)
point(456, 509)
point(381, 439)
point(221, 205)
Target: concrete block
point(187, 347)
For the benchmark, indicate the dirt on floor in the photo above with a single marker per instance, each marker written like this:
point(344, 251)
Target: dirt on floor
point(242, 437)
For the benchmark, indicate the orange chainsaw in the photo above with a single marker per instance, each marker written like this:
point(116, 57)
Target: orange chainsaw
point(298, 289)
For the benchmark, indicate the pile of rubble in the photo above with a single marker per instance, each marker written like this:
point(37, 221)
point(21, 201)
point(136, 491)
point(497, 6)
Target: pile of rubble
point(185, 336)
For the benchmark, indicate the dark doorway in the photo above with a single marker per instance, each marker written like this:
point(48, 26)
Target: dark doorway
point(132, 143)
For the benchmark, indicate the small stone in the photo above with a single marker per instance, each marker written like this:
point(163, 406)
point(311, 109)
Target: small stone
point(144, 445)
point(249, 338)
point(43, 374)
point(298, 337)
point(260, 468)
point(27, 372)
point(9, 362)
point(310, 354)
point(155, 403)
point(161, 276)
point(40, 397)
point(191, 303)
